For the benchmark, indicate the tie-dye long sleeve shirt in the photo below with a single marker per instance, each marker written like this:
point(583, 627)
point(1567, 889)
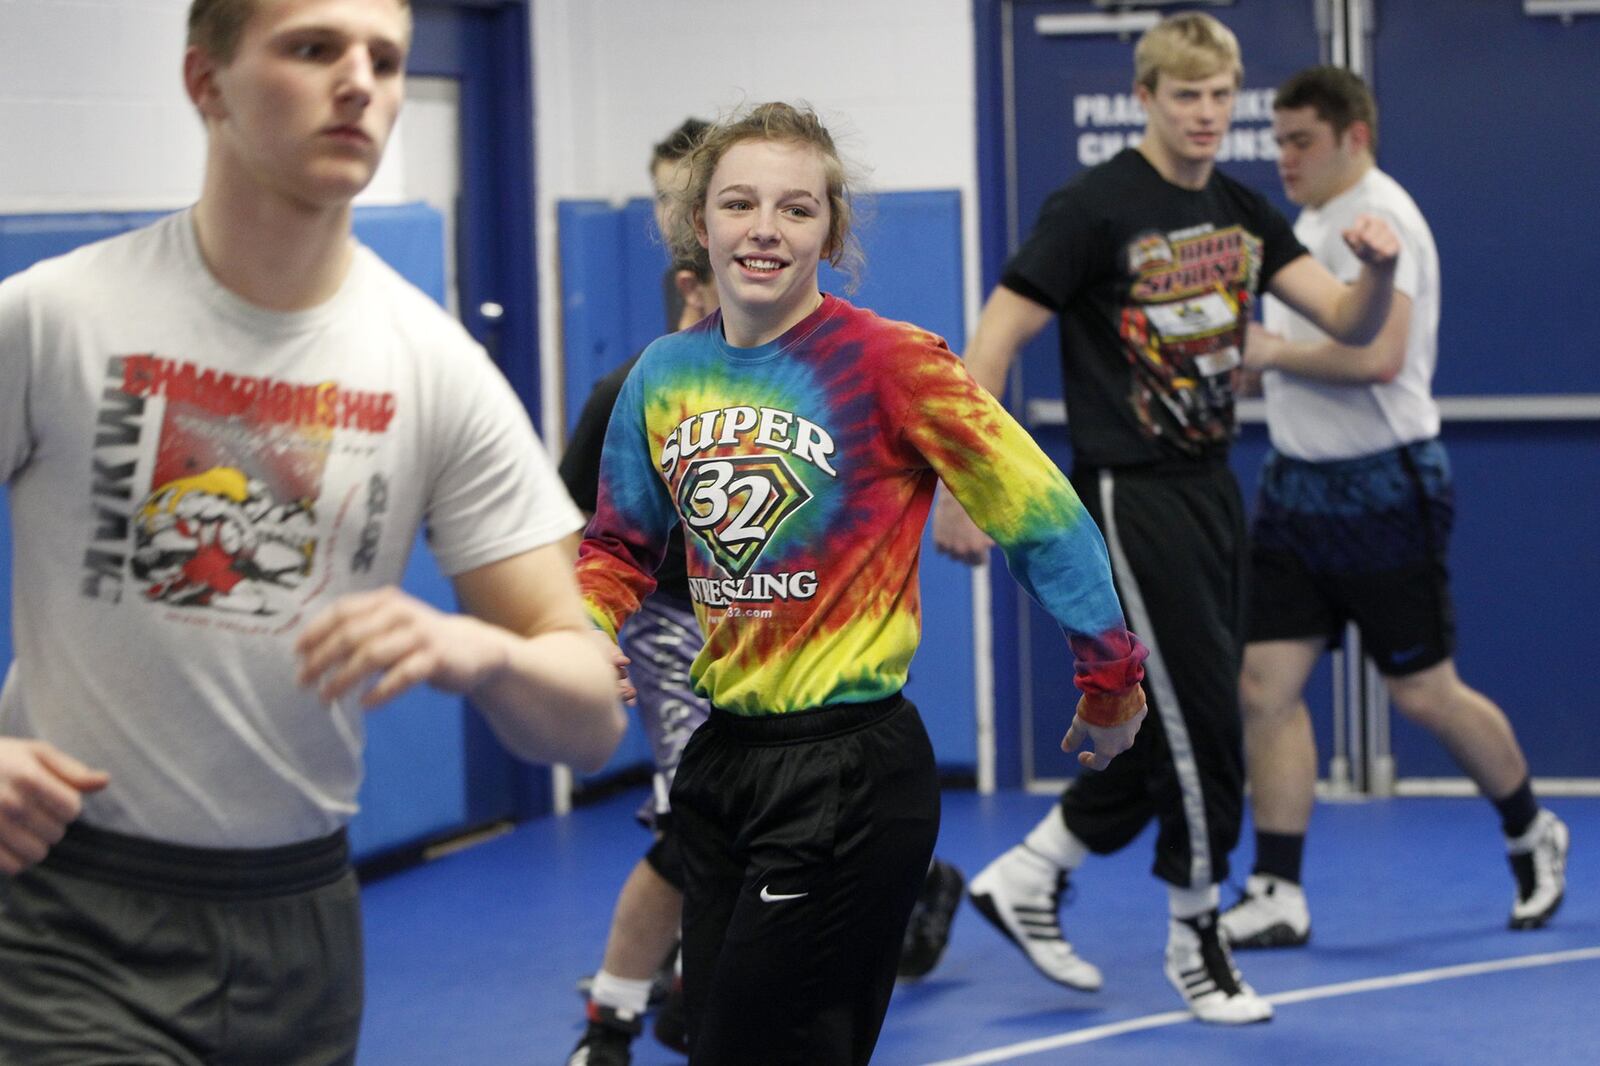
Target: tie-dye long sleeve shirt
point(803, 471)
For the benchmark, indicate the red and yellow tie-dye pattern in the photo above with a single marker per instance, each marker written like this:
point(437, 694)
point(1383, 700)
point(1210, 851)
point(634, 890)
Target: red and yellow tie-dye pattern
point(803, 472)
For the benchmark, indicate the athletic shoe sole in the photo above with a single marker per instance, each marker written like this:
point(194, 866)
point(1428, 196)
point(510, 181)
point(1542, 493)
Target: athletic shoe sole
point(1282, 935)
point(1537, 921)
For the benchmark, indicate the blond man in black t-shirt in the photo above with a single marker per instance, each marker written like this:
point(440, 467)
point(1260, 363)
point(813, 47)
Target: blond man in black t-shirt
point(1152, 262)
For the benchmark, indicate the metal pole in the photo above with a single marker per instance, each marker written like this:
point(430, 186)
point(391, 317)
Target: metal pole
point(1355, 714)
point(1381, 781)
point(1339, 762)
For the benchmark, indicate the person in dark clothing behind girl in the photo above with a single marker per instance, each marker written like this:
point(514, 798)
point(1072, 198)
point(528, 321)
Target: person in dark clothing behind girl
point(798, 440)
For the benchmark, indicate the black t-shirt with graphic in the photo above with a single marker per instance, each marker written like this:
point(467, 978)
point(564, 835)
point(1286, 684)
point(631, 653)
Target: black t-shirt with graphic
point(1155, 285)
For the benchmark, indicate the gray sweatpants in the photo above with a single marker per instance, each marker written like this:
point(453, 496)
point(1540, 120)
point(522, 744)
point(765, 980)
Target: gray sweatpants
point(96, 973)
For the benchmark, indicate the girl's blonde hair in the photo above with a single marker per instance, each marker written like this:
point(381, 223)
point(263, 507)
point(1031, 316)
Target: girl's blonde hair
point(776, 121)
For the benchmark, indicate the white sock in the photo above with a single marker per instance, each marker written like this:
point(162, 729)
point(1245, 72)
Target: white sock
point(1188, 902)
point(628, 998)
point(1052, 839)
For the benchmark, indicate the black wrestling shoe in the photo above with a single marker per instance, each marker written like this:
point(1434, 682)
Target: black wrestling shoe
point(929, 929)
point(608, 1041)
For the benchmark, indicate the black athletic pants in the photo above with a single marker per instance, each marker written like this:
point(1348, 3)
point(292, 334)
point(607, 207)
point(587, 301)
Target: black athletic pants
point(805, 839)
point(1177, 544)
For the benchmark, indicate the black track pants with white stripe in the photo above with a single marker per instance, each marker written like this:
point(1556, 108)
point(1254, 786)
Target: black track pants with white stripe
point(1177, 544)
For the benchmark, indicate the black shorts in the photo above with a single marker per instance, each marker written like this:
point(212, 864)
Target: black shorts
point(1357, 540)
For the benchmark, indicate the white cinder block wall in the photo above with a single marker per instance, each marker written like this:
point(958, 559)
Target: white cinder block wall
point(892, 78)
point(92, 111)
point(93, 115)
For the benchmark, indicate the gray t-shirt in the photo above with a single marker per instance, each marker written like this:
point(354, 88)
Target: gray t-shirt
point(192, 480)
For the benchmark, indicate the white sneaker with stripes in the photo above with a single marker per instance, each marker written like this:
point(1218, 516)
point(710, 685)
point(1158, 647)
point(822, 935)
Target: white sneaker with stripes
point(1201, 968)
point(1020, 894)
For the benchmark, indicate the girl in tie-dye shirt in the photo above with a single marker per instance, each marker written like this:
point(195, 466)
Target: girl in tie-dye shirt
point(799, 439)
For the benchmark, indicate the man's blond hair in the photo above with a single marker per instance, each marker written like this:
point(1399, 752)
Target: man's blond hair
point(1191, 46)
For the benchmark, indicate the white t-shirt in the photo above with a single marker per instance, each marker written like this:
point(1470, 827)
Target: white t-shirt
point(192, 479)
point(1322, 420)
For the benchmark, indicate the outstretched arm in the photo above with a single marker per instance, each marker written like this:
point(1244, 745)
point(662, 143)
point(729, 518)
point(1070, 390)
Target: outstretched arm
point(1351, 314)
point(1328, 360)
point(998, 473)
point(1007, 323)
point(523, 652)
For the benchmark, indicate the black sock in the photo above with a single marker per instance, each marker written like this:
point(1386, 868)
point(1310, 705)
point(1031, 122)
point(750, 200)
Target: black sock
point(1518, 810)
point(1279, 854)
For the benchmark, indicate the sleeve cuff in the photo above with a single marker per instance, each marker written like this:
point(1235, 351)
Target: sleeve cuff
point(1106, 709)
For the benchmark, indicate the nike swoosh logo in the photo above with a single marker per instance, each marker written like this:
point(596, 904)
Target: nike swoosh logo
point(769, 896)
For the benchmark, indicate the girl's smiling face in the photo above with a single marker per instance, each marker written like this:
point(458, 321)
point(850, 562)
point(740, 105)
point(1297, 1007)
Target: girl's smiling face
point(765, 226)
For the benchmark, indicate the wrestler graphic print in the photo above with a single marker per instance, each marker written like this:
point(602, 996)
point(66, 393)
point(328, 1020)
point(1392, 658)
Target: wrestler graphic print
point(229, 518)
point(219, 539)
point(1190, 295)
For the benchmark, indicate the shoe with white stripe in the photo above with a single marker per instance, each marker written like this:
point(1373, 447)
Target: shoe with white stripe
point(1201, 968)
point(1539, 861)
point(1272, 913)
point(1020, 894)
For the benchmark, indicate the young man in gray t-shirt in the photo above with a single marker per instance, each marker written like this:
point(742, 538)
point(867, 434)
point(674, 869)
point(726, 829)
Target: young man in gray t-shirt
point(221, 435)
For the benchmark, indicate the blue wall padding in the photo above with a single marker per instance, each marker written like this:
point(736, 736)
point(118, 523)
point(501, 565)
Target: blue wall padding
point(608, 268)
point(417, 777)
point(594, 304)
point(410, 238)
point(421, 772)
point(613, 269)
point(612, 265)
point(644, 274)
point(26, 239)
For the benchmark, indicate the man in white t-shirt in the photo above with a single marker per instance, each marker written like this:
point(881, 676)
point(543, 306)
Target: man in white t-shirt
point(1352, 524)
point(221, 435)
